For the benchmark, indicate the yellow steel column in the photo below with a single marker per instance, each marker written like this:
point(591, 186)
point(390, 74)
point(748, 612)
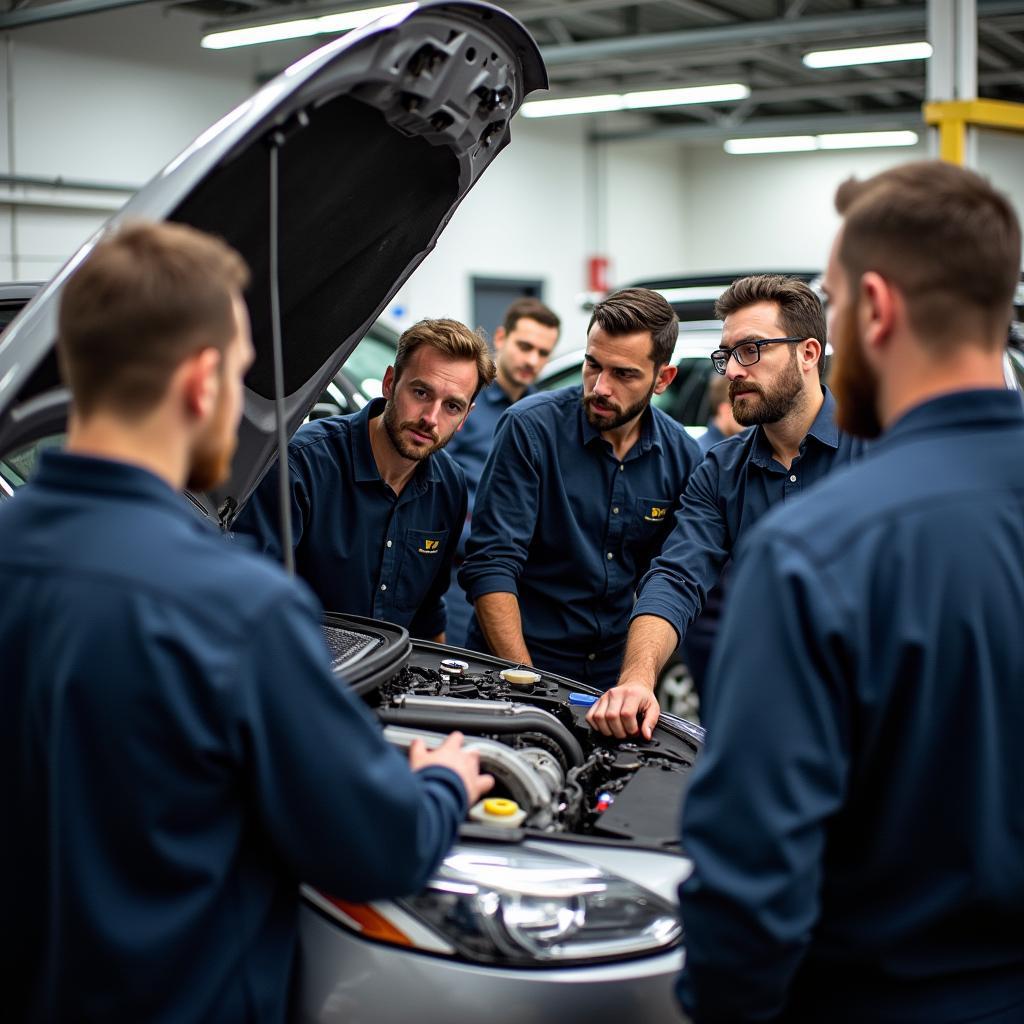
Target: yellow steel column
point(953, 116)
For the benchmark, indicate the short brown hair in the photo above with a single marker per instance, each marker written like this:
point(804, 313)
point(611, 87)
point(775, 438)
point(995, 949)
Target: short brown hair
point(145, 299)
point(528, 308)
point(452, 339)
point(800, 311)
point(630, 310)
point(943, 236)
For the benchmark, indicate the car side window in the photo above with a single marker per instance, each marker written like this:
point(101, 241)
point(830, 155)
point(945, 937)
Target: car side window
point(18, 466)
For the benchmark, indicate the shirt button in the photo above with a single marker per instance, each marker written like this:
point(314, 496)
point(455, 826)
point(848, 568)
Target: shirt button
point(383, 586)
point(610, 556)
point(591, 657)
point(615, 511)
point(792, 479)
point(621, 467)
point(389, 543)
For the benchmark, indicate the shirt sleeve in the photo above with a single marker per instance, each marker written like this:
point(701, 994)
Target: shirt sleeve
point(773, 772)
point(504, 514)
point(339, 803)
point(432, 617)
point(261, 519)
point(692, 557)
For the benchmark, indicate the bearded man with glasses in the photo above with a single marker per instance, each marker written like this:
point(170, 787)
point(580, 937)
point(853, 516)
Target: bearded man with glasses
point(773, 347)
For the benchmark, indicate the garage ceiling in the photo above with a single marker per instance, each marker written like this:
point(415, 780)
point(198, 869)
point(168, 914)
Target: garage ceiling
point(612, 46)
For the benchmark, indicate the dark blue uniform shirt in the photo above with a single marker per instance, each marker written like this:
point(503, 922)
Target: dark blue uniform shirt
point(563, 524)
point(736, 484)
point(710, 437)
point(470, 448)
point(856, 820)
point(363, 549)
point(472, 444)
point(177, 756)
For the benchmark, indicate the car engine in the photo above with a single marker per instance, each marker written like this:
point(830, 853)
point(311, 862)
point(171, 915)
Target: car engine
point(535, 741)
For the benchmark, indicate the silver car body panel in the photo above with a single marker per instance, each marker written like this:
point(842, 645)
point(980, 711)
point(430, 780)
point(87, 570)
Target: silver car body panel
point(341, 973)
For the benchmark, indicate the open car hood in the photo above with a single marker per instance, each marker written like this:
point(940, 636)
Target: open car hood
point(378, 137)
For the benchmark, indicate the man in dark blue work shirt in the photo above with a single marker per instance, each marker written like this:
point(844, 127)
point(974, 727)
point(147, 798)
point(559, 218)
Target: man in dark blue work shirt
point(773, 343)
point(177, 754)
point(576, 499)
point(856, 820)
point(376, 505)
point(523, 344)
point(700, 636)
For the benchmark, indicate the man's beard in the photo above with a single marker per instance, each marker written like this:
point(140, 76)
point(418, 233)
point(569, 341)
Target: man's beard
point(214, 450)
point(402, 446)
point(773, 402)
point(853, 382)
point(620, 416)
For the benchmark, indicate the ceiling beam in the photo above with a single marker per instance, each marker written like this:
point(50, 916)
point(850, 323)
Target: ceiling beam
point(1003, 38)
point(702, 10)
point(779, 30)
point(60, 10)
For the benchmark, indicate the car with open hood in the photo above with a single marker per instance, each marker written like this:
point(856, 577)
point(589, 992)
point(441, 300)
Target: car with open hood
point(558, 901)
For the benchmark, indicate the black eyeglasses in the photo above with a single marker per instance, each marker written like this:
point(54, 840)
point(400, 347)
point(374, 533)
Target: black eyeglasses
point(746, 353)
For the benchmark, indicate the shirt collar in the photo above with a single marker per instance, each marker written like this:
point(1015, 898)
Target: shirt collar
point(363, 462)
point(494, 394)
point(986, 407)
point(71, 471)
point(823, 429)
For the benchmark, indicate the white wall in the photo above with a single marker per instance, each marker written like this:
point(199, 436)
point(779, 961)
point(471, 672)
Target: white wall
point(769, 212)
point(108, 98)
point(524, 218)
point(645, 209)
point(1001, 159)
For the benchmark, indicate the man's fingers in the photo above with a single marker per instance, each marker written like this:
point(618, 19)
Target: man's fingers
point(485, 783)
point(452, 742)
point(615, 714)
point(651, 715)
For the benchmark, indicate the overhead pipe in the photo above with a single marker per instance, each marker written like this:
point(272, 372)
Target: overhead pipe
point(778, 30)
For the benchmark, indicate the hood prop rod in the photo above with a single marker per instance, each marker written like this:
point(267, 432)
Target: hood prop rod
point(277, 140)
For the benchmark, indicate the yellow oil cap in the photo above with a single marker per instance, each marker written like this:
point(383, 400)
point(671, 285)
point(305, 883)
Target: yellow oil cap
point(500, 807)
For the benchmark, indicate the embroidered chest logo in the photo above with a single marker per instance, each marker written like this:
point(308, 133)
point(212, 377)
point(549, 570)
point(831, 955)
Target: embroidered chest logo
point(430, 547)
point(656, 514)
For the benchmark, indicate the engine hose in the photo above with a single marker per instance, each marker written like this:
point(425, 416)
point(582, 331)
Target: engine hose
point(476, 720)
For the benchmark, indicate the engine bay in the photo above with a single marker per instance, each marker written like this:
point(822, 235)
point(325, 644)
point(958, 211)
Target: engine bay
point(535, 741)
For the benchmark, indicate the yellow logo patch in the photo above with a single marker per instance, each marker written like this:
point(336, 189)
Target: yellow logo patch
point(430, 547)
point(656, 514)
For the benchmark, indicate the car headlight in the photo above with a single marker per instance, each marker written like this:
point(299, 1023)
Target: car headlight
point(531, 909)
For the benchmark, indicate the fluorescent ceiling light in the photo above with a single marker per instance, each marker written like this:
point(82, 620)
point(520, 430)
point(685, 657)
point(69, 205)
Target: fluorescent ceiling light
point(781, 144)
point(806, 143)
point(574, 105)
point(866, 140)
point(690, 94)
point(868, 55)
point(636, 100)
point(297, 28)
